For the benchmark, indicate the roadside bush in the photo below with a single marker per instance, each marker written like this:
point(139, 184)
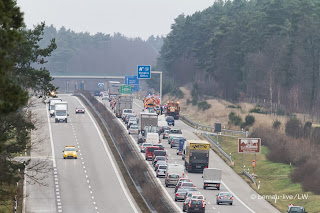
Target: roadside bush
point(234, 106)
point(234, 119)
point(249, 120)
point(177, 92)
point(276, 124)
point(308, 124)
point(293, 128)
point(204, 105)
point(256, 110)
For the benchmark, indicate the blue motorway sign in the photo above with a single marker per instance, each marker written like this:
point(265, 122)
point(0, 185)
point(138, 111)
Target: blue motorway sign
point(144, 72)
point(131, 80)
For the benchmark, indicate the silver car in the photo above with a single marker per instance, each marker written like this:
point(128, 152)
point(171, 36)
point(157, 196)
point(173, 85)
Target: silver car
point(225, 197)
point(165, 134)
point(133, 130)
point(181, 192)
point(161, 171)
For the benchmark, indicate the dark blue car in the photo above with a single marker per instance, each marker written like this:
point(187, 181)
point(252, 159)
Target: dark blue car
point(170, 121)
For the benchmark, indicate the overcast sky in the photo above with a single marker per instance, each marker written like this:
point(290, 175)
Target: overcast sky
point(133, 18)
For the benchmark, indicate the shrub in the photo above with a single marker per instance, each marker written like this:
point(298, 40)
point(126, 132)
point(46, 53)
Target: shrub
point(234, 106)
point(256, 110)
point(177, 93)
point(276, 124)
point(235, 119)
point(204, 105)
point(195, 94)
point(293, 127)
point(308, 124)
point(249, 120)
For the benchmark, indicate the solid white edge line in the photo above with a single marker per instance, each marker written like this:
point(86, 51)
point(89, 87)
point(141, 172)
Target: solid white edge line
point(110, 158)
point(51, 141)
point(24, 191)
point(149, 166)
point(245, 205)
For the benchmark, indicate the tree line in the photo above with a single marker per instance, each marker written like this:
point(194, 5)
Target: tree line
point(249, 49)
point(82, 53)
point(19, 51)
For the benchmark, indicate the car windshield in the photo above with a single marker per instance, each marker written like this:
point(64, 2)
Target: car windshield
point(173, 176)
point(70, 149)
point(79, 108)
point(146, 144)
point(159, 158)
point(196, 202)
point(296, 210)
point(190, 189)
point(133, 127)
point(198, 196)
point(61, 113)
point(151, 149)
point(161, 162)
point(127, 111)
point(162, 167)
point(169, 118)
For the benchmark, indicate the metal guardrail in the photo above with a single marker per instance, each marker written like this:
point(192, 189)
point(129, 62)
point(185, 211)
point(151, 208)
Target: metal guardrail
point(249, 176)
point(210, 128)
point(149, 205)
point(217, 146)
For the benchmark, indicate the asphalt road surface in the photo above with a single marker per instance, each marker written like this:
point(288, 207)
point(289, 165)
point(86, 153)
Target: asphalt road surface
point(91, 183)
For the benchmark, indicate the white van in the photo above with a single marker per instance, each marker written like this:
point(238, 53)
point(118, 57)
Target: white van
point(153, 138)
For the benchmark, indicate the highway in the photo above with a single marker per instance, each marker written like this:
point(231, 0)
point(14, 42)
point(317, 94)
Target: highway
point(231, 181)
point(93, 182)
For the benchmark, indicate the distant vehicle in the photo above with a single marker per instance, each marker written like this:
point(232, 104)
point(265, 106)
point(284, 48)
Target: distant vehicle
point(132, 123)
point(158, 153)
point(170, 121)
point(70, 152)
point(224, 197)
point(51, 104)
point(165, 134)
point(196, 205)
point(163, 128)
point(149, 151)
point(96, 93)
point(189, 196)
point(182, 141)
point(296, 209)
point(144, 146)
point(126, 111)
point(196, 155)
point(161, 147)
point(159, 158)
point(173, 109)
point(159, 163)
point(184, 185)
point(181, 193)
point(147, 119)
point(80, 110)
point(133, 130)
point(113, 87)
point(212, 178)
point(176, 141)
point(152, 138)
point(105, 96)
point(174, 172)
point(128, 116)
point(140, 138)
point(181, 181)
point(61, 112)
point(161, 171)
point(123, 102)
point(174, 133)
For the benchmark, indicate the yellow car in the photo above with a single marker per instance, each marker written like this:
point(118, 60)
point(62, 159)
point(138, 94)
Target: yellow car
point(70, 152)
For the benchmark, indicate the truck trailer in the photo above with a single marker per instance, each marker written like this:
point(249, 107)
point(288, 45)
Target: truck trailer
point(196, 155)
point(147, 119)
point(123, 102)
point(61, 112)
point(212, 178)
point(51, 105)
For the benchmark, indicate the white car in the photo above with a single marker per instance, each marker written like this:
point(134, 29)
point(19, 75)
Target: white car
point(133, 130)
point(161, 171)
point(79, 110)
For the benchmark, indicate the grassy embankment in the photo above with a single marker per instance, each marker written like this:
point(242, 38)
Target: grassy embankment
point(274, 178)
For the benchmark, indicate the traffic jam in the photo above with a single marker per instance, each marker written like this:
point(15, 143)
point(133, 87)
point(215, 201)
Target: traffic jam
point(154, 132)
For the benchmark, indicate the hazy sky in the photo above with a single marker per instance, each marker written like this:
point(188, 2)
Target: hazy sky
point(132, 18)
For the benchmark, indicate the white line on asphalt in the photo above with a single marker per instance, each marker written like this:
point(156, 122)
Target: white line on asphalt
point(209, 203)
point(58, 196)
point(24, 191)
point(111, 160)
point(59, 200)
point(138, 105)
point(85, 171)
point(90, 192)
point(92, 197)
point(90, 188)
point(84, 167)
point(245, 205)
point(51, 141)
point(213, 207)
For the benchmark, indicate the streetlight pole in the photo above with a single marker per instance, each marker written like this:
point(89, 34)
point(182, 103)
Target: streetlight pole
point(159, 72)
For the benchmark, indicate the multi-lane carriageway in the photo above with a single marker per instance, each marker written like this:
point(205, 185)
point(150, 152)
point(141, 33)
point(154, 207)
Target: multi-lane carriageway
point(93, 183)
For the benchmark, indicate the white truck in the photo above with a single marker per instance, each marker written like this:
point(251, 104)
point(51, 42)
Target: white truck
point(123, 102)
point(212, 178)
point(51, 105)
point(173, 173)
point(61, 112)
point(147, 119)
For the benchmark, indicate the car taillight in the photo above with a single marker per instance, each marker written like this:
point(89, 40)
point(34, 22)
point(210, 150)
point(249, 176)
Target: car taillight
point(219, 197)
point(206, 167)
point(177, 194)
point(206, 184)
point(182, 174)
point(218, 185)
point(203, 205)
point(231, 198)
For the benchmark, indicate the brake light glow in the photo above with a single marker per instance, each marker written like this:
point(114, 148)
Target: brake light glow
point(177, 194)
point(219, 197)
point(231, 198)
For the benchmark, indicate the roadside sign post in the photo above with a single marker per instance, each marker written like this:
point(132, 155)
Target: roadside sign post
point(249, 146)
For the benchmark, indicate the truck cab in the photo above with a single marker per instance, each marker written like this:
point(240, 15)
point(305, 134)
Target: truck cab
point(61, 112)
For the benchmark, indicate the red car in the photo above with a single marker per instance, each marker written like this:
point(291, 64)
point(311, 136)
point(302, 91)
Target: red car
point(149, 151)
